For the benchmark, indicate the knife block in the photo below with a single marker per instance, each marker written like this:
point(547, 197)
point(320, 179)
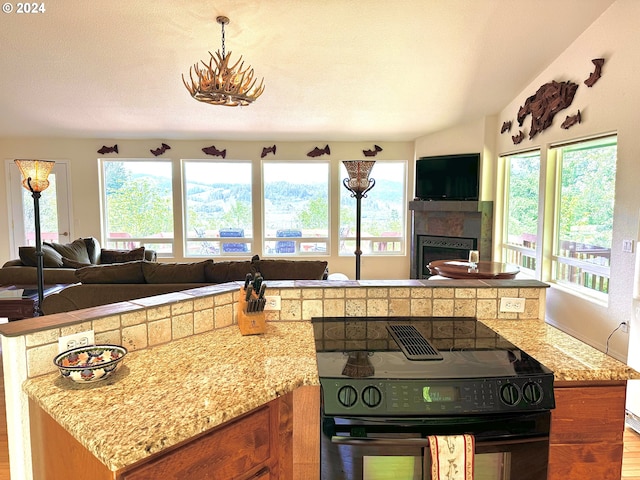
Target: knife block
point(252, 323)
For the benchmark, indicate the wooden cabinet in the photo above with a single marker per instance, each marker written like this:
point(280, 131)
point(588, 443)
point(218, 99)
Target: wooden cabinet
point(587, 428)
point(256, 446)
point(240, 449)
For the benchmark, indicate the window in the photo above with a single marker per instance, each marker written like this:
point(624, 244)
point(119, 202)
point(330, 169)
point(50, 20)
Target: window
point(584, 213)
point(138, 204)
point(382, 223)
point(296, 207)
point(522, 181)
point(217, 198)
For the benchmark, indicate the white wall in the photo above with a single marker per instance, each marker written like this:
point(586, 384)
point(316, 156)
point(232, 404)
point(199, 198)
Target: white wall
point(83, 172)
point(611, 105)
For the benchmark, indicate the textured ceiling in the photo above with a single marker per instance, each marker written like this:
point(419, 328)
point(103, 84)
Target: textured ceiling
point(334, 69)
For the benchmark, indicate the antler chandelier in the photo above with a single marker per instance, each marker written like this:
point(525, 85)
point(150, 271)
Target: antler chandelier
point(220, 84)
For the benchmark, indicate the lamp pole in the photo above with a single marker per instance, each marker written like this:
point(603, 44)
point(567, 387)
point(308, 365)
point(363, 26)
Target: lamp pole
point(35, 179)
point(358, 184)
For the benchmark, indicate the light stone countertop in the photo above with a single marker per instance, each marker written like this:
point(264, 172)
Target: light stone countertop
point(570, 359)
point(211, 378)
point(165, 395)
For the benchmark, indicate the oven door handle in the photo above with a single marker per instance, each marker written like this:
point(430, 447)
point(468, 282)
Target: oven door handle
point(383, 442)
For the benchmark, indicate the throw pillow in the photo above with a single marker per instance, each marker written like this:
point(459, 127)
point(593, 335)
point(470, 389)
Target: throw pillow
point(222, 272)
point(93, 249)
point(175, 272)
point(50, 259)
point(121, 256)
point(76, 250)
point(68, 263)
point(292, 269)
point(130, 272)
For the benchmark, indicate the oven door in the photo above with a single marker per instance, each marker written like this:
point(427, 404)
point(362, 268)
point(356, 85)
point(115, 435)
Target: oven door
point(507, 446)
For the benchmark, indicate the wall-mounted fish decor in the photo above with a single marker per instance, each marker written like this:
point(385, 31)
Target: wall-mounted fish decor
point(571, 120)
point(159, 151)
point(267, 150)
point(316, 152)
point(506, 127)
point(517, 138)
point(596, 74)
point(106, 149)
point(373, 152)
point(212, 150)
point(547, 101)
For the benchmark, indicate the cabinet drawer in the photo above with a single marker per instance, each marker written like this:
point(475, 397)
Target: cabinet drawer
point(588, 415)
point(585, 461)
point(227, 452)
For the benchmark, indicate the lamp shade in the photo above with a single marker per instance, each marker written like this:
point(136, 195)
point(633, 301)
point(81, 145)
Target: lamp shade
point(35, 173)
point(358, 171)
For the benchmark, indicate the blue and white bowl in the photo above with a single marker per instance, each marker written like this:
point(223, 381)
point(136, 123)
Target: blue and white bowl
point(90, 363)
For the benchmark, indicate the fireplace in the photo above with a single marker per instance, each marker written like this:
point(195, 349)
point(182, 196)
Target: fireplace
point(443, 230)
point(432, 247)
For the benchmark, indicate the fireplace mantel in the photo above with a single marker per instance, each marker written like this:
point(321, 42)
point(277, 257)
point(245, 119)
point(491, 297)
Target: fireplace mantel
point(463, 219)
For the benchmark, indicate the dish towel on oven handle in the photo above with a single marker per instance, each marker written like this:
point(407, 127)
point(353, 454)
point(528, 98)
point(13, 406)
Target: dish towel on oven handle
point(452, 457)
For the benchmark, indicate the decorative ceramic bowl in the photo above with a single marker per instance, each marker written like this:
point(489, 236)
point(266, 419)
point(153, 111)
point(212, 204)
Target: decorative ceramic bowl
point(90, 363)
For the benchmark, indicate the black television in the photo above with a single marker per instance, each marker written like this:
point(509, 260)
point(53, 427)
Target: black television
point(448, 177)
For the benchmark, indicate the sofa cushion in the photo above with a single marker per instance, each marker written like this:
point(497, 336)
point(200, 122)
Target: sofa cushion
point(292, 269)
point(129, 272)
point(222, 272)
point(76, 250)
point(69, 263)
point(121, 256)
point(51, 258)
point(175, 272)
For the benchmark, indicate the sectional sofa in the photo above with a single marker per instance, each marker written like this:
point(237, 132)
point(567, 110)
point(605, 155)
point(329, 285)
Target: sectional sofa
point(105, 284)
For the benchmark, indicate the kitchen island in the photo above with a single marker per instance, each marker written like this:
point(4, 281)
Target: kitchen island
point(137, 418)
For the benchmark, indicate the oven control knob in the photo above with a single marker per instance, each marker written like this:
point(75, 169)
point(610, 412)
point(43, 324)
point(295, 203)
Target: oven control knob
point(532, 393)
point(371, 396)
point(347, 396)
point(509, 394)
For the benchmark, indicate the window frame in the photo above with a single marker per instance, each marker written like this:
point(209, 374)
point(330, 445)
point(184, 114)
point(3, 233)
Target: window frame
point(557, 260)
point(222, 241)
point(301, 240)
point(372, 239)
point(139, 241)
point(512, 251)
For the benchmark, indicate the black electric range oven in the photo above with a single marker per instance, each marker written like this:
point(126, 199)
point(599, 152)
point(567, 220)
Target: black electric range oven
point(389, 383)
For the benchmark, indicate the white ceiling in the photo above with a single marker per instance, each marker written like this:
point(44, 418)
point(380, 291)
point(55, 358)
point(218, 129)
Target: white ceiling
point(340, 70)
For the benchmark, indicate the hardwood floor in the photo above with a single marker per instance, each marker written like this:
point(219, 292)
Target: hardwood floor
point(631, 455)
point(630, 459)
point(4, 448)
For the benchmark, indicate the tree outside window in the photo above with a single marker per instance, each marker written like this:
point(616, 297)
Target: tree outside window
point(382, 221)
point(296, 207)
point(219, 208)
point(138, 201)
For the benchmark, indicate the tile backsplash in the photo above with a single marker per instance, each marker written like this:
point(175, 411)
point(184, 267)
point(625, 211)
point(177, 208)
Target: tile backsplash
point(158, 320)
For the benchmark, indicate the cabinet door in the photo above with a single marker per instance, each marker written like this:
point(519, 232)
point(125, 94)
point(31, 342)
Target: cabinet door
point(587, 429)
point(238, 450)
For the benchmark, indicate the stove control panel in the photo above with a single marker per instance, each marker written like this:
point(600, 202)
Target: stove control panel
point(375, 397)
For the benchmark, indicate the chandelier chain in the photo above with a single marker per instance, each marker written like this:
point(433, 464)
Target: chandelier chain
point(223, 55)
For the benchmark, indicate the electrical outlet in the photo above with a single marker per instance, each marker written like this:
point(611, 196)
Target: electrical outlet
point(74, 340)
point(508, 304)
point(273, 302)
point(624, 326)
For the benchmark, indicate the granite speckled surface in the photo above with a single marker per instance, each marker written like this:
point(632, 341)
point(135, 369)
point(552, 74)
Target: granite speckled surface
point(208, 379)
point(568, 358)
point(164, 395)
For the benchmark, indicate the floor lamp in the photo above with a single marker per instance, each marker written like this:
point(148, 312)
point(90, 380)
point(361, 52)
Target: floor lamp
point(35, 175)
point(358, 184)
